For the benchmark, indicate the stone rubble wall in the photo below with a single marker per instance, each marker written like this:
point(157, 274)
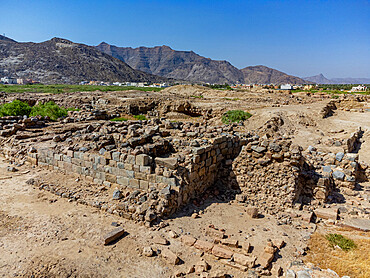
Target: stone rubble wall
point(174, 182)
point(268, 174)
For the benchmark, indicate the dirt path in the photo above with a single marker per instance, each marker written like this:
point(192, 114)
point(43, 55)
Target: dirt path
point(50, 237)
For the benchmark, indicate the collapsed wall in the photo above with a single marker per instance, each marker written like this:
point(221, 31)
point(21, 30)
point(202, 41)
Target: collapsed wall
point(156, 167)
point(268, 174)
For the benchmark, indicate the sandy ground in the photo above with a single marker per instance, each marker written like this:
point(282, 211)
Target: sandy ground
point(47, 236)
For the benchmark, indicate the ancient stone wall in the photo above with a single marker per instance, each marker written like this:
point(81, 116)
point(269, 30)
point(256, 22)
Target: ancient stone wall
point(174, 174)
point(268, 174)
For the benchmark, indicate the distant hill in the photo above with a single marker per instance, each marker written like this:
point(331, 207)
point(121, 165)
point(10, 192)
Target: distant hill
point(321, 79)
point(265, 75)
point(318, 79)
point(180, 65)
point(62, 61)
point(3, 38)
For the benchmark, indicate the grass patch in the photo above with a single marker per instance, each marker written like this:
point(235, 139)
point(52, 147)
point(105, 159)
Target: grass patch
point(197, 96)
point(235, 116)
point(343, 242)
point(119, 119)
point(140, 117)
point(354, 262)
point(61, 88)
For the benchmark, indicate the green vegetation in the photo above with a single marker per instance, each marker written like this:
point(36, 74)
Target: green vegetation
point(140, 117)
point(60, 88)
point(19, 108)
point(73, 109)
point(219, 86)
point(49, 109)
point(343, 242)
point(235, 116)
point(233, 99)
point(119, 119)
point(197, 96)
point(15, 108)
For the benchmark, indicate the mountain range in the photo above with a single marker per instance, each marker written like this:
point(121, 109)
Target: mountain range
point(179, 65)
point(62, 61)
point(321, 79)
point(189, 66)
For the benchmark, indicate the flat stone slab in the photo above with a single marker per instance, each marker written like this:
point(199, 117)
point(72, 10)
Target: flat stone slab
point(113, 235)
point(327, 213)
point(359, 224)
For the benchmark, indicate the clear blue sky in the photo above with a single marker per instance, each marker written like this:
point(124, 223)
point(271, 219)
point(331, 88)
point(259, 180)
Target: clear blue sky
point(298, 37)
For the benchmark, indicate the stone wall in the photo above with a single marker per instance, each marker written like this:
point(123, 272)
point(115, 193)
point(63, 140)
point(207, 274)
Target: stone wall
point(174, 178)
point(268, 174)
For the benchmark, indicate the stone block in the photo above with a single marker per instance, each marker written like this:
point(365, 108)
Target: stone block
point(188, 240)
point(122, 181)
point(203, 245)
point(113, 235)
point(170, 162)
point(111, 178)
point(230, 242)
point(116, 156)
point(265, 259)
point(144, 185)
point(171, 257)
point(143, 159)
point(134, 183)
point(248, 261)
point(327, 213)
point(221, 252)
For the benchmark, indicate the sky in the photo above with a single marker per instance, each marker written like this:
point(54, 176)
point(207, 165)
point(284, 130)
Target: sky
point(302, 38)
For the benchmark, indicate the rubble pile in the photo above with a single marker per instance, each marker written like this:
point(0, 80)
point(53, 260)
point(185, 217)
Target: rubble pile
point(9, 125)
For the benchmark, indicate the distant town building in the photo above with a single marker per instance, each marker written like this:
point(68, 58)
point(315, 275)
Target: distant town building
point(286, 87)
point(8, 80)
point(308, 87)
point(359, 88)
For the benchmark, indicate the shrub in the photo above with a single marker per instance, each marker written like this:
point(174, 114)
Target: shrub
point(119, 119)
point(343, 242)
point(15, 108)
point(140, 117)
point(49, 109)
point(235, 116)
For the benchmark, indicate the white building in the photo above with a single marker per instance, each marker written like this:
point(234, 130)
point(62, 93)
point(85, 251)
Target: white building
point(358, 88)
point(9, 80)
point(286, 87)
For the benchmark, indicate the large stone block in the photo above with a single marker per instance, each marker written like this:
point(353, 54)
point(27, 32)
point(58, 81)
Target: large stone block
point(143, 159)
point(170, 162)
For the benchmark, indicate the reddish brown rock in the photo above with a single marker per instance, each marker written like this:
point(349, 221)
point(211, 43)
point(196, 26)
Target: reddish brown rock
point(188, 240)
point(244, 260)
point(113, 235)
point(203, 245)
point(221, 252)
point(171, 257)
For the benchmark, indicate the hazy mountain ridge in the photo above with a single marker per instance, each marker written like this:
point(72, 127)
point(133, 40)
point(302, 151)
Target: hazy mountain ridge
point(180, 65)
point(62, 61)
point(265, 75)
point(321, 79)
point(189, 66)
